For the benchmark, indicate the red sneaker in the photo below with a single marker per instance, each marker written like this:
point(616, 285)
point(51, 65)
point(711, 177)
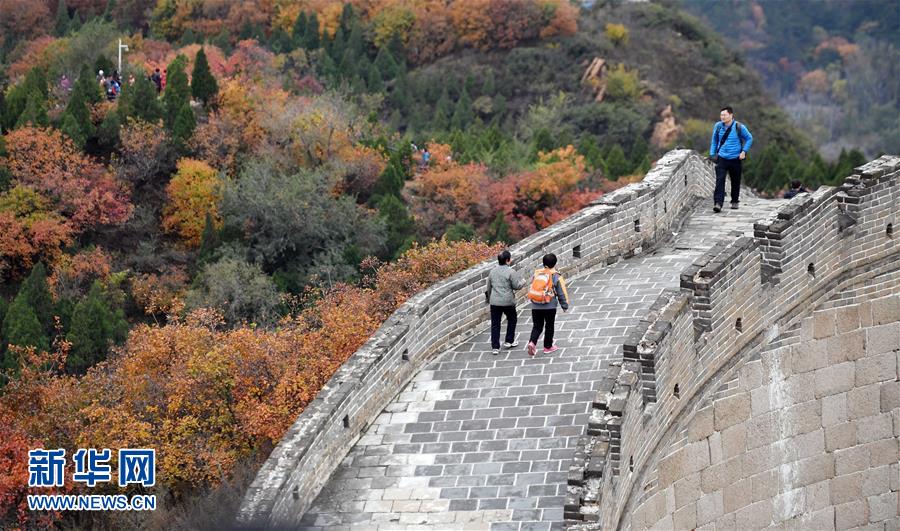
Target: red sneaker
point(532, 348)
point(551, 350)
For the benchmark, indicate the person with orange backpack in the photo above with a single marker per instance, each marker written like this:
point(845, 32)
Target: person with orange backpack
point(547, 291)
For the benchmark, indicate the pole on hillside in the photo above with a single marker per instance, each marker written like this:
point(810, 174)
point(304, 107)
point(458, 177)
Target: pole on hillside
point(121, 47)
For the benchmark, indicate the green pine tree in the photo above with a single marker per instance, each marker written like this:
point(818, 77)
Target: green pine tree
point(140, 101)
point(386, 63)
point(639, 151)
point(62, 19)
point(498, 230)
point(108, 132)
point(298, 35)
point(280, 41)
point(311, 38)
point(440, 120)
point(375, 82)
point(75, 22)
point(348, 17)
point(35, 113)
point(337, 45)
point(355, 43)
point(184, 125)
point(87, 87)
point(462, 114)
point(34, 87)
point(69, 126)
point(590, 150)
point(400, 226)
point(459, 232)
point(177, 94)
point(616, 163)
point(95, 324)
point(203, 84)
point(209, 242)
point(487, 88)
point(108, 12)
point(35, 293)
point(400, 95)
point(22, 329)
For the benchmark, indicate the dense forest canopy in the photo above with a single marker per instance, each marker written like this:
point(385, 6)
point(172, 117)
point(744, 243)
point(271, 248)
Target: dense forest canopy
point(182, 235)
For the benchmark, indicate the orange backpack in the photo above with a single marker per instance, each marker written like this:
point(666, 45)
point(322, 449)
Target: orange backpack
point(541, 290)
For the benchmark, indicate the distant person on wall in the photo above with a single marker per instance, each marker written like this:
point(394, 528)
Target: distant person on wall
point(730, 143)
point(796, 188)
point(547, 291)
point(502, 285)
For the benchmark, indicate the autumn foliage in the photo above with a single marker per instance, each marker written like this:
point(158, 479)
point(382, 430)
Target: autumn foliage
point(194, 191)
point(203, 396)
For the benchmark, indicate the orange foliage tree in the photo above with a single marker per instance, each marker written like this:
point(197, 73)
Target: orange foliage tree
point(206, 397)
point(81, 189)
point(449, 193)
point(194, 191)
point(532, 200)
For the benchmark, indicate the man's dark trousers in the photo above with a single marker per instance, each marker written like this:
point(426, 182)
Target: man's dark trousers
point(733, 168)
point(543, 320)
point(496, 313)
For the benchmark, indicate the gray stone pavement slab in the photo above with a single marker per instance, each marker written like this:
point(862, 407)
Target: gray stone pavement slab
point(478, 441)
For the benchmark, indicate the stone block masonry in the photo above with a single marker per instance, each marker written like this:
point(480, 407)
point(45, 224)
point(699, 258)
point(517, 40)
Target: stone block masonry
point(445, 315)
point(779, 407)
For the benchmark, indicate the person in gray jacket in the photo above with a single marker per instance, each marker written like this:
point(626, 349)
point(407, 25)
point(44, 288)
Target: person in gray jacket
point(502, 285)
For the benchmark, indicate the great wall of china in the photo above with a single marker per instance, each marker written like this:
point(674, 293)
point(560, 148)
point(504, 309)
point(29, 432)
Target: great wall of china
point(734, 370)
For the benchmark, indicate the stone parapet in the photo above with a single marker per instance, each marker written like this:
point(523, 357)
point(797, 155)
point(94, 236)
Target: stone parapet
point(649, 442)
point(625, 223)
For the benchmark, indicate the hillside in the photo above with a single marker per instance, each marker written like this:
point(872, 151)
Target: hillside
point(190, 247)
point(832, 64)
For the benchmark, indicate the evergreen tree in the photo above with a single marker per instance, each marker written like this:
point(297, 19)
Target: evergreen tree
point(616, 163)
point(108, 12)
point(95, 324)
point(487, 88)
point(280, 41)
point(639, 152)
point(63, 309)
point(348, 17)
point(21, 328)
point(311, 38)
point(337, 45)
point(108, 132)
point(62, 19)
point(87, 87)
point(591, 152)
point(400, 97)
point(327, 68)
point(177, 94)
point(760, 168)
point(69, 126)
point(398, 52)
point(362, 67)
point(469, 84)
point(75, 22)
point(462, 115)
point(4, 306)
point(140, 101)
point(35, 112)
point(459, 232)
point(355, 43)
point(400, 226)
point(386, 63)
point(375, 83)
point(347, 67)
point(222, 40)
point(184, 125)
point(498, 230)
point(34, 87)
point(209, 241)
point(299, 32)
point(440, 120)
point(35, 294)
point(203, 84)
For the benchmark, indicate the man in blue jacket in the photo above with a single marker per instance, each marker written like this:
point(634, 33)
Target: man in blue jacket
point(730, 143)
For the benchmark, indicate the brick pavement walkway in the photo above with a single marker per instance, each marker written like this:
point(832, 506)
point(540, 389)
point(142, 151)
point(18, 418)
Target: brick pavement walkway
point(478, 441)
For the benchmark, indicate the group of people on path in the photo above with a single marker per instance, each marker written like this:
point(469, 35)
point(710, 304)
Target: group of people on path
point(111, 84)
point(546, 293)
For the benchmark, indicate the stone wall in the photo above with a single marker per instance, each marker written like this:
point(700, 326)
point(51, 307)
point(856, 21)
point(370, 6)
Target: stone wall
point(730, 408)
point(624, 223)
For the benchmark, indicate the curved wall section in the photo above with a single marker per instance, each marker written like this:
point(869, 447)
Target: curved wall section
point(730, 409)
point(626, 222)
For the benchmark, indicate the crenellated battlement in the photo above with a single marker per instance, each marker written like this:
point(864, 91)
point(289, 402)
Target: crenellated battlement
point(619, 225)
point(735, 300)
